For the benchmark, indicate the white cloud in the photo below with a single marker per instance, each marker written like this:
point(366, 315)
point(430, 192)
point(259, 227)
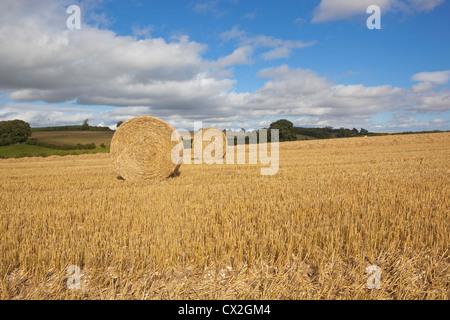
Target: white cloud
point(411, 6)
point(288, 81)
point(233, 33)
point(330, 10)
point(279, 48)
point(96, 67)
point(299, 92)
point(431, 101)
point(206, 6)
point(336, 122)
point(239, 56)
point(402, 121)
point(172, 80)
point(440, 121)
point(277, 53)
point(142, 32)
point(38, 115)
point(437, 77)
point(424, 86)
point(272, 42)
point(424, 98)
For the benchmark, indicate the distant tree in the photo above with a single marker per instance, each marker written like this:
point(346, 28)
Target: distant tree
point(14, 131)
point(363, 132)
point(318, 133)
point(355, 132)
point(287, 131)
point(85, 125)
point(119, 124)
point(344, 133)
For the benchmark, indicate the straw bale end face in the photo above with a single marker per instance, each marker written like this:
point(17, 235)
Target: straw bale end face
point(142, 149)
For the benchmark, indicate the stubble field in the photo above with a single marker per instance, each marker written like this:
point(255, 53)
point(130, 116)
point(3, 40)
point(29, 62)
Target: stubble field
point(335, 208)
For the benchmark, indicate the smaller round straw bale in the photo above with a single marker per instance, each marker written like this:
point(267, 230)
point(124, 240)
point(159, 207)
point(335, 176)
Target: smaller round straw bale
point(142, 149)
point(210, 135)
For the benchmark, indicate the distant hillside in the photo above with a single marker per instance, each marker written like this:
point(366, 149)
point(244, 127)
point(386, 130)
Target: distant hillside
point(330, 133)
point(71, 128)
point(73, 137)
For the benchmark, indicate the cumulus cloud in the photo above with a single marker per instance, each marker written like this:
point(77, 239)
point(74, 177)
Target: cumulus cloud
point(404, 120)
point(39, 115)
point(330, 10)
point(97, 67)
point(430, 101)
point(437, 77)
point(300, 92)
point(279, 48)
point(424, 86)
point(424, 98)
point(233, 33)
point(241, 55)
point(171, 79)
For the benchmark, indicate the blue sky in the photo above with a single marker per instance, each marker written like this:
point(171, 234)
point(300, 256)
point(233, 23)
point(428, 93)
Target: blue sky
point(229, 63)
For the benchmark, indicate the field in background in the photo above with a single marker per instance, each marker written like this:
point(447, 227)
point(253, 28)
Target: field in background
point(226, 232)
point(59, 138)
point(26, 151)
point(74, 137)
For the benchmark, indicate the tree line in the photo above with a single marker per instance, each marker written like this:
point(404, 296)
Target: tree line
point(287, 132)
point(84, 127)
point(19, 131)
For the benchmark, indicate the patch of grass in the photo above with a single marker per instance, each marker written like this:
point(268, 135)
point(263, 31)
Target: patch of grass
point(24, 150)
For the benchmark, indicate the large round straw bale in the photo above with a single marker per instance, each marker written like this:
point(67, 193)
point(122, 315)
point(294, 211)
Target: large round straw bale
point(142, 147)
point(209, 134)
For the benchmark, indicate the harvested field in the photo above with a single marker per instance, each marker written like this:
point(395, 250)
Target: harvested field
point(335, 208)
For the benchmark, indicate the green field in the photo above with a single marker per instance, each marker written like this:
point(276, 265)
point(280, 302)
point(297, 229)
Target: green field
point(59, 138)
point(23, 150)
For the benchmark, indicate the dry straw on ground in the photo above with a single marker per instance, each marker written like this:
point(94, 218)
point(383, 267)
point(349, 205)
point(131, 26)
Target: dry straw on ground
point(209, 135)
point(142, 148)
point(222, 232)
